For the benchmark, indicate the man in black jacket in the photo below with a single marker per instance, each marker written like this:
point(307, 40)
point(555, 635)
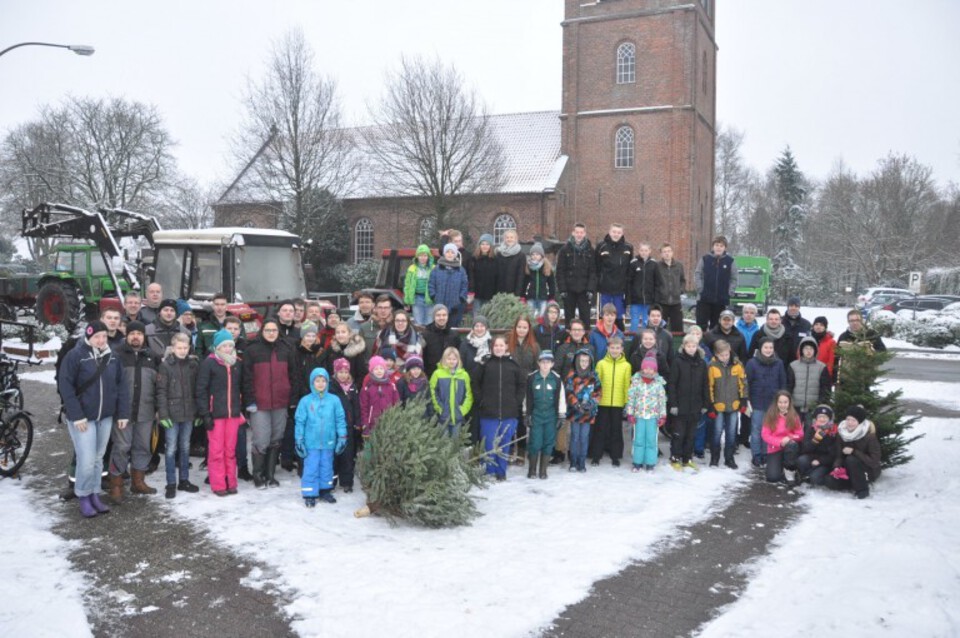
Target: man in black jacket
point(577, 275)
point(671, 282)
point(614, 254)
point(728, 332)
point(642, 289)
point(437, 337)
point(783, 343)
point(716, 278)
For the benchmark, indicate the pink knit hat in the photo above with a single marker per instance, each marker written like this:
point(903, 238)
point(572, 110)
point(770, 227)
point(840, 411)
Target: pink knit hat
point(341, 364)
point(649, 363)
point(375, 361)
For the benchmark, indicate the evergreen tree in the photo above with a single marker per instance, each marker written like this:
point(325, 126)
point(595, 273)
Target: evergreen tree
point(503, 310)
point(411, 468)
point(791, 193)
point(860, 368)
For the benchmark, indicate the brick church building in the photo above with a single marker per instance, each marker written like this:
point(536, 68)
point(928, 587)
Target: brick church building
point(633, 142)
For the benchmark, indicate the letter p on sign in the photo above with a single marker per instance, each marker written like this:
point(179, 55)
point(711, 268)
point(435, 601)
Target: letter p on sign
point(916, 278)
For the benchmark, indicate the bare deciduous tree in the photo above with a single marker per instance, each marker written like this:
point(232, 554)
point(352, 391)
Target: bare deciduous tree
point(186, 205)
point(735, 184)
point(307, 163)
point(432, 140)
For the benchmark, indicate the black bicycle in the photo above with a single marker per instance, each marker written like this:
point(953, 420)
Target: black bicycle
point(16, 426)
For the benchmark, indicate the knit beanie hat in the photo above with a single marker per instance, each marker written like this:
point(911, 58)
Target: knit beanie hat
point(307, 327)
point(168, 303)
point(341, 364)
point(182, 307)
point(221, 336)
point(857, 412)
point(94, 327)
point(413, 361)
point(649, 363)
point(136, 326)
point(451, 246)
point(376, 361)
point(537, 249)
point(483, 320)
point(821, 320)
point(823, 409)
point(486, 237)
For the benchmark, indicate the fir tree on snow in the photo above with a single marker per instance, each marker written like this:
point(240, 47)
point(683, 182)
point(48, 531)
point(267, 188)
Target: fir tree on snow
point(410, 468)
point(791, 193)
point(860, 368)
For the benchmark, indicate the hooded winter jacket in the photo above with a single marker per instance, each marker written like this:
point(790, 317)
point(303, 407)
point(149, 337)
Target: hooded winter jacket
point(646, 400)
point(727, 384)
point(376, 397)
point(303, 361)
point(808, 380)
point(764, 378)
point(176, 386)
point(320, 422)
point(267, 369)
point(417, 279)
point(484, 277)
point(219, 389)
point(671, 282)
point(643, 281)
point(613, 265)
point(451, 395)
point(826, 349)
point(436, 340)
point(687, 387)
point(614, 375)
point(715, 278)
point(577, 268)
point(140, 375)
point(350, 399)
point(108, 396)
point(567, 350)
point(355, 352)
point(499, 388)
point(583, 392)
point(448, 285)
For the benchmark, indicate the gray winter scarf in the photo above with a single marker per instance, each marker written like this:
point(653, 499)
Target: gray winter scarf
point(443, 261)
point(763, 359)
point(774, 334)
point(482, 344)
point(508, 251)
point(856, 434)
point(534, 265)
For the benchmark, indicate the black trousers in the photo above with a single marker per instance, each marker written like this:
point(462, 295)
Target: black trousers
point(816, 473)
point(708, 314)
point(860, 476)
point(683, 435)
point(743, 436)
point(606, 435)
point(343, 463)
point(673, 314)
point(577, 302)
point(786, 458)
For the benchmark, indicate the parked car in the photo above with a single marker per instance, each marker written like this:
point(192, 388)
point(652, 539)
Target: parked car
point(919, 304)
point(951, 309)
point(866, 298)
point(881, 300)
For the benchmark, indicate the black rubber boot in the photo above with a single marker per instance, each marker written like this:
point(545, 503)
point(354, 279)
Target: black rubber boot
point(259, 481)
point(532, 472)
point(544, 462)
point(270, 469)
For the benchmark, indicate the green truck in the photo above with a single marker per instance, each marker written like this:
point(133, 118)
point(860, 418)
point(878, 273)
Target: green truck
point(753, 282)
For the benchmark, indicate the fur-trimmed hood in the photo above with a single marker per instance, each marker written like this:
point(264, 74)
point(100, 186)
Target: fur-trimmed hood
point(355, 346)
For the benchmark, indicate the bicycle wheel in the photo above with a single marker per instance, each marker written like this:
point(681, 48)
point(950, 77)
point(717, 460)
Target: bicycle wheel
point(16, 439)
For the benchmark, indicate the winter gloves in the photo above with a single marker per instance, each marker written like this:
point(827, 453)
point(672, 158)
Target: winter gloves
point(252, 408)
point(166, 423)
point(301, 447)
point(840, 473)
point(301, 450)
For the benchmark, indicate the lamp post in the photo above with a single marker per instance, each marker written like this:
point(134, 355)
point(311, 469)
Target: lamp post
point(79, 49)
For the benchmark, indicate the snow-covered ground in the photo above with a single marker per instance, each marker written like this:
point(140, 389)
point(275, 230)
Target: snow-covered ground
point(40, 595)
point(887, 565)
point(539, 547)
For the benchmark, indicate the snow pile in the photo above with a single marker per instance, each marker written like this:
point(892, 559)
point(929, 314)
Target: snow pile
point(887, 565)
point(927, 329)
point(539, 546)
point(40, 594)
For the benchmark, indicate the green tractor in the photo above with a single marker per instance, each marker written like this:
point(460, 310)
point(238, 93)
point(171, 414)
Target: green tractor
point(73, 290)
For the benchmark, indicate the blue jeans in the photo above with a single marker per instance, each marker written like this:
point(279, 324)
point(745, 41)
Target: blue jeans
point(456, 316)
point(725, 425)
point(758, 446)
point(645, 442)
point(421, 311)
point(638, 316)
point(177, 452)
point(579, 443)
point(536, 307)
point(89, 447)
point(616, 300)
point(497, 433)
point(317, 473)
point(704, 433)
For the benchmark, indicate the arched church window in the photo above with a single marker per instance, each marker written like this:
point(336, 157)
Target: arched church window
point(623, 148)
point(502, 224)
point(626, 63)
point(363, 241)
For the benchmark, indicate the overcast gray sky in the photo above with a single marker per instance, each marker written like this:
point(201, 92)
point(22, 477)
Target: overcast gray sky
point(832, 78)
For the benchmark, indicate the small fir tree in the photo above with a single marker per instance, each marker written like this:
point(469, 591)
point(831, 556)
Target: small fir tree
point(503, 310)
point(860, 368)
point(412, 469)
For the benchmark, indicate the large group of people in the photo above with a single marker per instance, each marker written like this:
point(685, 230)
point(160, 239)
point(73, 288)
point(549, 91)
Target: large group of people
point(556, 388)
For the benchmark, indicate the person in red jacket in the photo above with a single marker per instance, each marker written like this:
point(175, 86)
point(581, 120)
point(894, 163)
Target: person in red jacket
point(826, 344)
point(377, 395)
point(267, 366)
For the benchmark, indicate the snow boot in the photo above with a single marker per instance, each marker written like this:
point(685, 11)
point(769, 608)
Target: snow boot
point(532, 472)
point(116, 489)
point(87, 510)
point(714, 461)
point(244, 473)
point(98, 505)
point(137, 484)
point(558, 458)
point(731, 463)
point(259, 481)
point(270, 469)
point(171, 490)
point(544, 462)
point(187, 486)
point(327, 496)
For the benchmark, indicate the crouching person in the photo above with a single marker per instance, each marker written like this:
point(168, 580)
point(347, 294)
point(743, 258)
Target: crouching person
point(782, 432)
point(320, 431)
point(219, 405)
point(857, 463)
point(819, 447)
point(177, 410)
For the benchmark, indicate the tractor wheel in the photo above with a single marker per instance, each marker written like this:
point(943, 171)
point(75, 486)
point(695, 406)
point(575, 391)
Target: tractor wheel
point(59, 302)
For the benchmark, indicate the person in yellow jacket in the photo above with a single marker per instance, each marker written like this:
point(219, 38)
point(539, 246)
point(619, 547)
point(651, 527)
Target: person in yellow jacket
point(450, 392)
point(416, 292)
point(614, 372)
point(727, 382)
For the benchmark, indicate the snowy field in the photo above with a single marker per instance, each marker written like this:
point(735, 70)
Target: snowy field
point(40, 595)
point(887, 565)
point(539, 547)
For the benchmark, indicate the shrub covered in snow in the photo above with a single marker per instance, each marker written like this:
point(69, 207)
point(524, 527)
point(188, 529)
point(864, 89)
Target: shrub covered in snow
point(928, 329)
point(883, 322)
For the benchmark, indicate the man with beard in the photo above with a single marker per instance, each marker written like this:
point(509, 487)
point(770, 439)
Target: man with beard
point(783, 343)
point(728, 332)
point(382, 316)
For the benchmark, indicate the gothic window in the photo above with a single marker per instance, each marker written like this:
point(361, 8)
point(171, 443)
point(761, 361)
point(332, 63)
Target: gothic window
point(427, 233)
point(502, 224)
point(363, 241)
point(626, 63)
point(623, 148)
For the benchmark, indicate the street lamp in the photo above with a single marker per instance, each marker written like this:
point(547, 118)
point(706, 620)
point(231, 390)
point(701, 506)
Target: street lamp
point(79, 49)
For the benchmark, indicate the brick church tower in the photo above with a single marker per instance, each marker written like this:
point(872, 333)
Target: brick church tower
point(637, 120)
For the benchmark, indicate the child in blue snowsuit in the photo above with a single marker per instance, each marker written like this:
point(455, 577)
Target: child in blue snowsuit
point(321, 431)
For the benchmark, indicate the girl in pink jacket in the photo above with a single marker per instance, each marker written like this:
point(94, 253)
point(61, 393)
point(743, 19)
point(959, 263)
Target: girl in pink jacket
point(377, 395)
point(782, 431)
